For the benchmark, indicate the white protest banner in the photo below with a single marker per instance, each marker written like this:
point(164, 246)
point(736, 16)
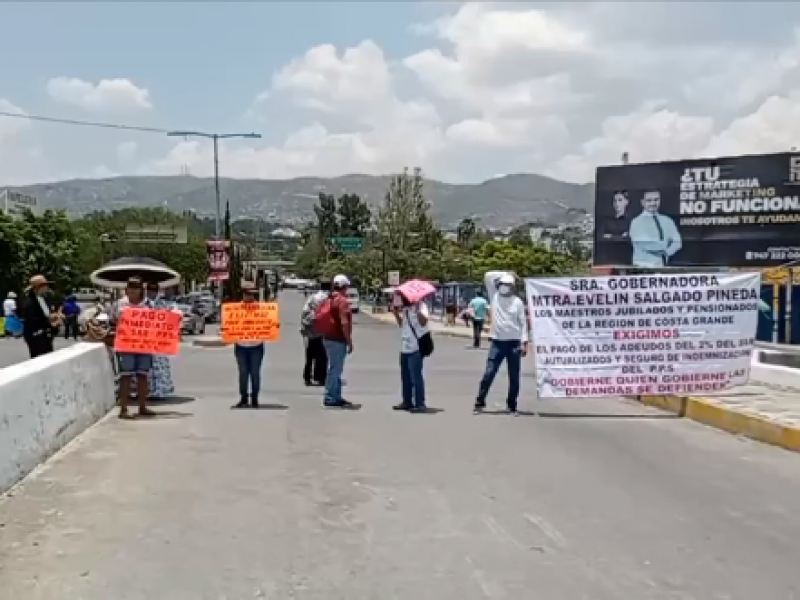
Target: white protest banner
point(643, 334)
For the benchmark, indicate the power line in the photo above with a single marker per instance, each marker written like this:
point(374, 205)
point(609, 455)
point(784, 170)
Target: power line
point(76, 122)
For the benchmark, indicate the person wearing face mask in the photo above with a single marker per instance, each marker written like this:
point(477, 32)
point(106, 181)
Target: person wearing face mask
point(40, 324)
point(508, 339)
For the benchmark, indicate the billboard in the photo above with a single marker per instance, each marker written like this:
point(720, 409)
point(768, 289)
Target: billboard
point(157, 234)
point(15, 204)
point(739, 211)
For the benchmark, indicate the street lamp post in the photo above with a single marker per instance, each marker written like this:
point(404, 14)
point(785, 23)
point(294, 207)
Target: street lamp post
point(215, 137)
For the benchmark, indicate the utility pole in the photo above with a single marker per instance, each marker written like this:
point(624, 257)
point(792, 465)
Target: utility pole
point(215, 137)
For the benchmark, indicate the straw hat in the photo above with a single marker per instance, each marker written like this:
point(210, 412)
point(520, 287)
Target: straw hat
point(37, 281)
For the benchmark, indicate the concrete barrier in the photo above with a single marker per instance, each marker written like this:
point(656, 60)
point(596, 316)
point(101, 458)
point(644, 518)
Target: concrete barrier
point(46, 402)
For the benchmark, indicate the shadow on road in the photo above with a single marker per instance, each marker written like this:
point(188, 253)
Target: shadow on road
point(261, 407)
point(172, 400)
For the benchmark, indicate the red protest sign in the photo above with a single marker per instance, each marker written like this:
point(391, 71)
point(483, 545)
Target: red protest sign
point(148, 331)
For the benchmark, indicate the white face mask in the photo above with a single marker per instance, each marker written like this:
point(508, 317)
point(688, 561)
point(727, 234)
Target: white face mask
point(504, 289)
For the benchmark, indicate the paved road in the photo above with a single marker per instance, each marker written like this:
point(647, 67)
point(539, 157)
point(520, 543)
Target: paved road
point(599, 500)
point(13, 351)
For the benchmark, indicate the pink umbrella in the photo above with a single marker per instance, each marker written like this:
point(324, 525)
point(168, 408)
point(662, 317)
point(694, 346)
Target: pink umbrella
point(416, 289)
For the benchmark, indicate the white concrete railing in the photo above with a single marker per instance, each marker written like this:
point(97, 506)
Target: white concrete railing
point(48, 401)
point(773, 375)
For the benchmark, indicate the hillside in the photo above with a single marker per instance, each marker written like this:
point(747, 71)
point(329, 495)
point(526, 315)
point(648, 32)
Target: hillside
point(504, 201)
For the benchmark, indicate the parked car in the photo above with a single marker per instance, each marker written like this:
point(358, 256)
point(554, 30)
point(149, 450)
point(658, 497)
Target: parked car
point(192, 322)
point(354, 299)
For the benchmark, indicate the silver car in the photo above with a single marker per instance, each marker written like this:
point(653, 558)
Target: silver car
point(192, 321)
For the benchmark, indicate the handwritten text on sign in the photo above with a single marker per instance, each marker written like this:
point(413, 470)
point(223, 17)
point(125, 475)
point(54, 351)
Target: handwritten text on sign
point(250, 322)
point(148, 331)
point(643, 334)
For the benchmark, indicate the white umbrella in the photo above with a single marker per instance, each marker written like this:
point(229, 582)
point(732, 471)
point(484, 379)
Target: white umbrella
point(116, 273)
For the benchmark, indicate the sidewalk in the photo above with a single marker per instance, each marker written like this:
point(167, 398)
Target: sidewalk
point(436, 326)
point(762, 411)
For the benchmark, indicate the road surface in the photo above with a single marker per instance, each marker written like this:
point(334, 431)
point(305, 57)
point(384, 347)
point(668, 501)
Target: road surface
point(598, 500)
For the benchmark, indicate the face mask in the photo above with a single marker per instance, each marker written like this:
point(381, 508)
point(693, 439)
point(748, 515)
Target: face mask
point(504, 289)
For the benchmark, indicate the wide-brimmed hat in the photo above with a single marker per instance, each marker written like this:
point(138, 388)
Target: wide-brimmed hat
point(37, 281)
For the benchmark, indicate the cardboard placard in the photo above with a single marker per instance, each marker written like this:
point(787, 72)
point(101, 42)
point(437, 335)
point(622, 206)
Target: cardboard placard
point(148, 331)
point(250, 322)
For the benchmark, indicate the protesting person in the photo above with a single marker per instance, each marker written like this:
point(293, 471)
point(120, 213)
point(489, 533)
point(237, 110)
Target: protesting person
point(479, 308)
point(13, 324)
point(413, 321)
point(249, 358)
point(508, 339)
point(71, 311)
point(334, 323)
point(40, 324)
point(316, 363)
point(160, 376)
point(133, 366)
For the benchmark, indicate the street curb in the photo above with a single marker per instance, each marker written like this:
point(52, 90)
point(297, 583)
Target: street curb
point(208, 342)
point(388, 319)
point(709, 412)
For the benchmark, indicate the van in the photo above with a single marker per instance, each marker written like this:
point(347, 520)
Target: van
point(354, 299)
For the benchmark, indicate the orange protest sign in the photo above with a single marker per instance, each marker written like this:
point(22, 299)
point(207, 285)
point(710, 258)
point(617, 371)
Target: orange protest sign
point(250, 322)
point(148, 331)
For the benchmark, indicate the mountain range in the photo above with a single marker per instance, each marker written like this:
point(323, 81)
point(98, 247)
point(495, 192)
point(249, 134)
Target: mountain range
point(500, 202)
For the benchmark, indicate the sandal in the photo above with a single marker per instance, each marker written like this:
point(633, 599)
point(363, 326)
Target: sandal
point(146, 412)
point(126, 416)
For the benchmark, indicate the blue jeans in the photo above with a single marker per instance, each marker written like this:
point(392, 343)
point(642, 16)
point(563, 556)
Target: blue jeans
point(337, 353)
point(499, 351)
point(134, 364)
point(412, 380)
point(249, 359)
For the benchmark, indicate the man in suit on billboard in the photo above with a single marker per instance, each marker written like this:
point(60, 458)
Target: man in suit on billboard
point(654, 237)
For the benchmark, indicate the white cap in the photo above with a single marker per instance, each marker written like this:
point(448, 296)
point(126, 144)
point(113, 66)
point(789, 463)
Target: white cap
point(12, 295)
point(507, 279)
point(341, 281)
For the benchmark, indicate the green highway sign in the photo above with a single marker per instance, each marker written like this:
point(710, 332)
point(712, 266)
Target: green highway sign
point(346, 245)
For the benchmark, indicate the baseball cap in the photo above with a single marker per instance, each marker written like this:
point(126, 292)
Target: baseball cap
point(507, 279)
point(341, 281)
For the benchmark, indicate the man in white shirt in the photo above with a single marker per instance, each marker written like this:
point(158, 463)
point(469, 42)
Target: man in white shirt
point(412, 317)
point(654, 236)
point(508, 338)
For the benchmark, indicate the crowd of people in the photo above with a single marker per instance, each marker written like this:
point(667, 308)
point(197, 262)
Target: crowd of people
point(326, 326)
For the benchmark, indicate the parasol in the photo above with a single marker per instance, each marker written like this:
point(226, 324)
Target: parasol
point(416, 289)
point(116, 273)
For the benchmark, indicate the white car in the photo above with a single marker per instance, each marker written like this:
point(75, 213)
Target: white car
point(354, 299)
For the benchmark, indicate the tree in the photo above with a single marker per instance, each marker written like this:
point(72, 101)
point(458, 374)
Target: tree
point(465, 232)
point(354, 216)
point(524, 260)
point(327, 217)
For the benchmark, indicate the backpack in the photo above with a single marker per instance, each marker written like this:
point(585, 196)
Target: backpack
point(325, 324)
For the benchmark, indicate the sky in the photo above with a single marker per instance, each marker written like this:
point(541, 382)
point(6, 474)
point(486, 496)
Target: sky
point(466, 91)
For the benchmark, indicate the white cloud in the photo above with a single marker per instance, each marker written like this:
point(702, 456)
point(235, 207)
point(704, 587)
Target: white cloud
point(107, 96)
point(555, 88)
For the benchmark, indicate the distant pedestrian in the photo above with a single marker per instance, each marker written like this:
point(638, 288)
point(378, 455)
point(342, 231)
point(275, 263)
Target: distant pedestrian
point(40, 324)
point(479, 308)
point(334, 323)
point(316, 360)
point(13, 324)
point(413, 321)
point(249, 359)
point(508, 341)
point(71, 311)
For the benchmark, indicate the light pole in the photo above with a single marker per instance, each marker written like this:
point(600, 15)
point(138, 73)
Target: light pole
point(215, 137)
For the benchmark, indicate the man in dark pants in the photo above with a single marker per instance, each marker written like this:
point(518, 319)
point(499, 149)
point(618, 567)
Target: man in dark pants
point(316, 359)
point(71, 312)
point(39, 326)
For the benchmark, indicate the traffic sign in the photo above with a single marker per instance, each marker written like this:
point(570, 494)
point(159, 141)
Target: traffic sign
point(346, 245)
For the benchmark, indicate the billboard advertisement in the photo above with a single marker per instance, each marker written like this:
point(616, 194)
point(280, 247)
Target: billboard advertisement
point(730, 212)
point(15, 204)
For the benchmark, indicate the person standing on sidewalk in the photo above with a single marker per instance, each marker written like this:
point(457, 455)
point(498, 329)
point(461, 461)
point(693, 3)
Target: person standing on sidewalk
point(71, 312)
point(40, 323)
point(316, 363)
point(334, 322)
point(508, 341)
point(413, 321)
point(480, 308)
point(249, 358)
